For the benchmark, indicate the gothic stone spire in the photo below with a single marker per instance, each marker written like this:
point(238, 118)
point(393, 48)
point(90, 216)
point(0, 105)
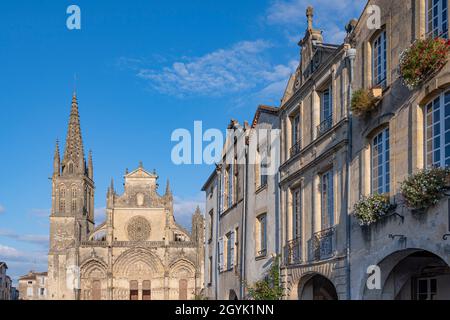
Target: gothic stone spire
point(310, 16)
point(74, 153)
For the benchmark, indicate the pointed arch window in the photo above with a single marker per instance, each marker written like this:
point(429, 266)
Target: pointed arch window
point(70, 168)
point(62, 199)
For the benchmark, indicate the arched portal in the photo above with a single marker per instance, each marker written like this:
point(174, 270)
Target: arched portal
point(233, 295)
point(412, 274)
point(316, 287)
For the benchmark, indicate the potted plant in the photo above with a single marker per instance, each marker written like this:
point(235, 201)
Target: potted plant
point(365, 101)
point(370, 209)
point(423, 59)
point(426, 188)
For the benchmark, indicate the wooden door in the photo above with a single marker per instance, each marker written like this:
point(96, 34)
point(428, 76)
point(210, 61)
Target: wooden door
point(134, 290)
point(146, 290)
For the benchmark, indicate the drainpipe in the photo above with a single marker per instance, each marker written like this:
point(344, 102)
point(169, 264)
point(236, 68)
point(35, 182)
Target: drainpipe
point(216, 251)
point(351, 55)
point(243, 275)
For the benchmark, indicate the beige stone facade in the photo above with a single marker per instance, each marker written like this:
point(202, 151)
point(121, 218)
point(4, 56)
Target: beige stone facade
point(314, 152)
point(410, 248)
point(331, 158)
point(33, 286)
point(242, 209)
point(138, 253)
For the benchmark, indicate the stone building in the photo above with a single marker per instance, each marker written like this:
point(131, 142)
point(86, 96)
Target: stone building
point(407, 132)
point(313, 171)
point(7, 291)
point(242, 209)
point(139, 252)
point(33, 286)
point(3, 291)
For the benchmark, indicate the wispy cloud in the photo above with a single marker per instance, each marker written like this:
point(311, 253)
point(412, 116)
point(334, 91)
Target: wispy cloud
point(242, 67)
point(20, 262)
point(100, 215)
point(184, 208)
point(28, 238)
point(328, 16)
point(2, 209)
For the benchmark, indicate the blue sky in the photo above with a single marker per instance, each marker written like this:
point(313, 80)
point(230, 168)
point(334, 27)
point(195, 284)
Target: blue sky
point(143, 69)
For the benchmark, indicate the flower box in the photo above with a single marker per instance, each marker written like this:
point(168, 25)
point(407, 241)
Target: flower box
point(422, 60)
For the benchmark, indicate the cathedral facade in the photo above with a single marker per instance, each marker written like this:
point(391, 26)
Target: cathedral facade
point(138, 253)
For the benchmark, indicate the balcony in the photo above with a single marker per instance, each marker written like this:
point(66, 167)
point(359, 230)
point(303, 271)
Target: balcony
point(293, 252)
point(325, 126)
point(296, 148)
point(322, 245)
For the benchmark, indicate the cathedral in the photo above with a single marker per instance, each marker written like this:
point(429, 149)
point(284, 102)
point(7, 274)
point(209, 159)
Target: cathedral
point(138, 253)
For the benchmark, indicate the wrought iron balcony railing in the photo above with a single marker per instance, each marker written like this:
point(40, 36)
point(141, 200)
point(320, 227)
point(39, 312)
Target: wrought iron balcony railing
point(322, 245)
point(297, 147)
point(293, 252)
point(325, 126)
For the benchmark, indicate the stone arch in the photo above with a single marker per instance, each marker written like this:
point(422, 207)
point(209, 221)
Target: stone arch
point(325, 270)
point(182, 268)
point(232, 295)
point(139, 257)
point(92, 267)
point(314, 286)
point(404, 266)
point(93, 283)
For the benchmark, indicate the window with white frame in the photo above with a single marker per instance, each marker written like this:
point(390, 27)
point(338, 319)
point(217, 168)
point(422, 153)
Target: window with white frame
point(426, 289)
point(381, 163)
point(229, 194)
point(29, 291)
point(295, 129)
point(210, 270)
point(262, 235)
point(211, 224)
point(220, 253)
point(327, 200)
point(437, 18)
point(437, 133)
point(326, 102)
point(296, 213)
point(379, 60)
point(230, 250)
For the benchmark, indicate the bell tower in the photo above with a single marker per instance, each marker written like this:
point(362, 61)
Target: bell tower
point(72, 213)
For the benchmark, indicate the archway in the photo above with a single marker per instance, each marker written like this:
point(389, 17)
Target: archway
point(93, 280)
point(414, 275)
point(232, 295)
point(316, 287)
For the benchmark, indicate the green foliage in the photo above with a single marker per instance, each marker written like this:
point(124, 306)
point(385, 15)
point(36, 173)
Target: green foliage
point(422, 59)
point(270, 287)
point(370, 209)
point(425, 188)
point(363, 102)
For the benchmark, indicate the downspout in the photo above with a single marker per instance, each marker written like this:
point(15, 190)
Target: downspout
point(243, 275)
point(216, 251)
point(351, 55)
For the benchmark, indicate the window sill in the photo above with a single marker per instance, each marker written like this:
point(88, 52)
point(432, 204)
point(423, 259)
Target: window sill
point(261, 257)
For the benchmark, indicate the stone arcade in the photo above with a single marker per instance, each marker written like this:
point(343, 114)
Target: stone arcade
point(139, 252)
